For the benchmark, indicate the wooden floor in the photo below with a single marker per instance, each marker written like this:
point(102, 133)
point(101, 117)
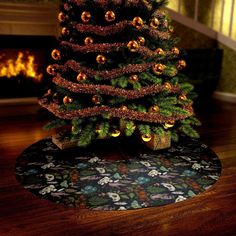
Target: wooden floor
point(211, 213)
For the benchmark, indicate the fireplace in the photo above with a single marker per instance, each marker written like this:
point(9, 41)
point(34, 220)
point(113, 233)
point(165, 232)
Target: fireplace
point(23, 62)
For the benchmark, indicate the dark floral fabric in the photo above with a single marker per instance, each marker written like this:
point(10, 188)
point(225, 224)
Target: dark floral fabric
point(83, 178)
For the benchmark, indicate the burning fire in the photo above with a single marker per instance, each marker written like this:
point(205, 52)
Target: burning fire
point(21, 66)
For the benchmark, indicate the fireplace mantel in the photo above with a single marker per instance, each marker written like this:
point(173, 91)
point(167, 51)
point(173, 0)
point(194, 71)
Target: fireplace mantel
point(29, 19)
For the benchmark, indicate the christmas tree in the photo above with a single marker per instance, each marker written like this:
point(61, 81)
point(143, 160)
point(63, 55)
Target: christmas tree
point(117, 73)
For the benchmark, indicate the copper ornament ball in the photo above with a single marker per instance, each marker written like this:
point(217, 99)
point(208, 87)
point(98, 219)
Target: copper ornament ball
point(101, 59)
point(56, 54)
point(110, 16)
point(141, 40)
point(133, 46)
point(158, 68)
point(86, 16)
point(182, 97)
point(51, 70)
point(65, 31)
point(154, 23)
point(181, 64)
point(175, 50)
point(137, 22)
point(81, 77)
point(61, 17)
point(124, 108)
point(67, 100)
point(115, 133)
point(167, 86)
point(96, 99)
point(146, 137)
point(160, 51)
point(154, 109)
point(88, 40)
point(168, 125)
point(133, 78)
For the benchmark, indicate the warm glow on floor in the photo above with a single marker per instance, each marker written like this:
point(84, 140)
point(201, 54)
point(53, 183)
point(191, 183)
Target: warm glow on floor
point(24, 64)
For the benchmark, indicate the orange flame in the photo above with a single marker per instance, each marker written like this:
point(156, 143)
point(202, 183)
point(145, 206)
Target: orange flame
point(12, 68)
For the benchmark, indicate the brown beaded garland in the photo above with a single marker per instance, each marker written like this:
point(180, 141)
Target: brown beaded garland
point(65, 31)
point(154, 23)
point(56, 54)
point(85, 16)
point(137, 22)
point(81, 77)
point(141, 40)
point(158, 68)
point(88, 40)
point(101, 59)
point(110, 16)
point(133, 46)
point(51, 70)
point(181, 64)
point(133, 78)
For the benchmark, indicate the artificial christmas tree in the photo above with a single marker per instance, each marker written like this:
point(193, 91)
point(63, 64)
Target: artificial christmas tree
point(116, 73)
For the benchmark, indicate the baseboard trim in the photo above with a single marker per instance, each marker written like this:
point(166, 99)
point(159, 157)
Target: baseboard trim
point(18, 101)
point(223, 96)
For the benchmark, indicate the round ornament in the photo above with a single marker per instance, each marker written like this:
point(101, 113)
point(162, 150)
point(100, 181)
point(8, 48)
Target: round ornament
point(101, 59)
point(124, 108)
point(56, 54)
point(167, 86)
point(133, 46)
point(160, 51)
point(154, 23)
point(158, 68)
point(65, 31)
point(154, 109)
point(175, 50)
point(181, 64)
point(81, 77)
point(141, 40)
point(88, 40)
point(98, 129)
point(146, 137)
point(182, 97)
point(51, 70)
point(110, 16)
point(96, 99)
point(85, 16)
point(115, 133)
point(67, 100)
point(61, 17)
point(133, 78)
point(168, 125)
point(137, 22)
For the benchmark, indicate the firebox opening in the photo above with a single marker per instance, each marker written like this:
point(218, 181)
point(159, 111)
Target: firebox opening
point(23, 62)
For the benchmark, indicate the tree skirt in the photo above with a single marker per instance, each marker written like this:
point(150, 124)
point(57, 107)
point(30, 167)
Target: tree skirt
point(98, 178)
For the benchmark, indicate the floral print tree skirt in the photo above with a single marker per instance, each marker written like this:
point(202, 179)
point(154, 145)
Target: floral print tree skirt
point(99, 179)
